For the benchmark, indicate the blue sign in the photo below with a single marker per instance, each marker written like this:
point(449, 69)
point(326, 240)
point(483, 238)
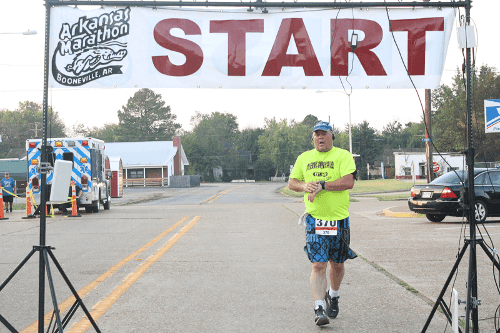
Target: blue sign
point(426, 139)
point(492, 116)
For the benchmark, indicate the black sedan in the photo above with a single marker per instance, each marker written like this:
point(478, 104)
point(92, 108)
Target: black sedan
point(445, 195)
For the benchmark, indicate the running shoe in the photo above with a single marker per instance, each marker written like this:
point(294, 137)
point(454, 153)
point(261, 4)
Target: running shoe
point(319, 316)
point(332, 305)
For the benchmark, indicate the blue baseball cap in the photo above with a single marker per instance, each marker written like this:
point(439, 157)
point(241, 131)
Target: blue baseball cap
point(322, 126)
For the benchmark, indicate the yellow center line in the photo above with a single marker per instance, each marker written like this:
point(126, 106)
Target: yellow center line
point(101, 307)
point(63, 306)
point(216, 196)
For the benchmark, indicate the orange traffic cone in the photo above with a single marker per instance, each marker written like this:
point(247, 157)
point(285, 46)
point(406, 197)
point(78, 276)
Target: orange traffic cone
point(47, 211)
point(29, 215)
point(74, 208)
point(2, 215)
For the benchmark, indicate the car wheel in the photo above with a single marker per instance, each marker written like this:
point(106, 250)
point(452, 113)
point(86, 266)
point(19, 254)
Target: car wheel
point(435, 217)
point(481, 212)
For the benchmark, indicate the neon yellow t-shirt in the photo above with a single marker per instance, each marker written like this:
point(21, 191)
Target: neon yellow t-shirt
point(313, 165)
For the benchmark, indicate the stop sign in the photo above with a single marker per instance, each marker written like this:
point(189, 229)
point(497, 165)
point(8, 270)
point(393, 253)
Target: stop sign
point(435, 167)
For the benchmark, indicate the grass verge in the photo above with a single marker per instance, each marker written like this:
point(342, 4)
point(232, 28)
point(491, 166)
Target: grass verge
point(395, 197)
point(378, 185)
point(366, 186)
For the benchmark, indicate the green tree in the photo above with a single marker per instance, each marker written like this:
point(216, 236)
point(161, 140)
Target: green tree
point(211, 143)
point(342, 139)
point(365, 144)
point(392, 134)
point(146, 118)
point(248, 141)
point(282, 142)
point(450, 114)
point(310, 121)
point(108, 132)
point(26, 122)
point(263, 168)
point(396, 136)
point(413, 133)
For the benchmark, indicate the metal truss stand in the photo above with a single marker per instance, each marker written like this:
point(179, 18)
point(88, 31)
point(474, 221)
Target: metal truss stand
point(60, 324)
point(46, 251)
point(472, 298)
point(472, 301)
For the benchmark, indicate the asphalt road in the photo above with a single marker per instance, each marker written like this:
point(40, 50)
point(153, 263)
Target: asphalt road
point(229, 258)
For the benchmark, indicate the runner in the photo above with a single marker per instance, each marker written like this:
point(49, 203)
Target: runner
point(325, 173)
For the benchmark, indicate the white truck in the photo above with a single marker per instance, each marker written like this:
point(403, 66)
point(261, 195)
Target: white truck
point(89, 162)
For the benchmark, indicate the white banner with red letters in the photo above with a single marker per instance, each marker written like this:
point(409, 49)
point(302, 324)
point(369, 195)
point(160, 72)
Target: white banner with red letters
point(233, 48)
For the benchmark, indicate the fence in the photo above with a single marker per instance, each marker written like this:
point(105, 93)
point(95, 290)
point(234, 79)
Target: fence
point(145, 182)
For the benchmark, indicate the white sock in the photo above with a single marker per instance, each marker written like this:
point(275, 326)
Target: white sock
point(333, 293)
point(319, 303)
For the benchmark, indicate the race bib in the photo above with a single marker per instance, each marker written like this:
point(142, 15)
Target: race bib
point(326, 228)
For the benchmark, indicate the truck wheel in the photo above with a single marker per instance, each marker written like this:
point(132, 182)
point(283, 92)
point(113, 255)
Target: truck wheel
point(88, 209)
point(97, 206)
point(107, 203)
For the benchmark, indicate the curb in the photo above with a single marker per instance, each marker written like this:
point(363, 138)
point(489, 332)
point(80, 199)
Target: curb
point(389, 212)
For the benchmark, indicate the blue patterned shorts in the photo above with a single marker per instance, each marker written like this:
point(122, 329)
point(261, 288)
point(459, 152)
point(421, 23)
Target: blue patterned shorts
point(321, 248)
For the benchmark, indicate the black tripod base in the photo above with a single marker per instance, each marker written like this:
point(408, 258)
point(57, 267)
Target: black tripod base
point(45, 253)
point(440, 300)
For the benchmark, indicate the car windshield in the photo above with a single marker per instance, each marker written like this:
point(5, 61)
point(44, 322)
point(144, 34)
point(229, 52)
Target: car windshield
point(450, 178)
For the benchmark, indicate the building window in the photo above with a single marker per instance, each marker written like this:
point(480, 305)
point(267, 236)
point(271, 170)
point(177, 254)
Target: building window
point(407, 171)
point(136, 173)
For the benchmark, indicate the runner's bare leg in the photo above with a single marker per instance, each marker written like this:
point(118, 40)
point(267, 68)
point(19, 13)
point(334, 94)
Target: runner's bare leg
point(336, 275)
point(318, 280)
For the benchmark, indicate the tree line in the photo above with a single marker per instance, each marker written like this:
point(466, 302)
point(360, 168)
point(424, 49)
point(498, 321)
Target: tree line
point(145, 117)
point(217, 143)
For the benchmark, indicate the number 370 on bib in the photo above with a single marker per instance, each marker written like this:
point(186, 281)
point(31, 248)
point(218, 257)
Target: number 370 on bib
point(326, 228)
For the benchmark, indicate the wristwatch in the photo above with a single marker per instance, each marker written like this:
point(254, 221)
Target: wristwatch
point(322, 182)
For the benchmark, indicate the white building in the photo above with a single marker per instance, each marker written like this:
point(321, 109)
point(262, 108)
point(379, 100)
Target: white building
point(408, 164)
point(149, 163)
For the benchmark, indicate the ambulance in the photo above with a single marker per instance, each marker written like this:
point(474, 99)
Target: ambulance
point(89, 162)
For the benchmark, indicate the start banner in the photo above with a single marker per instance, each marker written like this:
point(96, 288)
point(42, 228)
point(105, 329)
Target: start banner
point(233, 48)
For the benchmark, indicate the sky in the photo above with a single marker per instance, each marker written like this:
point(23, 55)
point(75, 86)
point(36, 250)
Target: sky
point(21, 79)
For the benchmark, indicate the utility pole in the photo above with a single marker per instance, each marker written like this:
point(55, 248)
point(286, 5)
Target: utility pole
point(36, 129)
point(428, 133)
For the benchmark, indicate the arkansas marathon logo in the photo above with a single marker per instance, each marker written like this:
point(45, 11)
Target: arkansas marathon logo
point(91, 48)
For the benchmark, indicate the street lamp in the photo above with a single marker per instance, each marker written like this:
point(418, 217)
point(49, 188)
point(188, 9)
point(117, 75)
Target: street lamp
point(350, 132)
point(28, 32)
